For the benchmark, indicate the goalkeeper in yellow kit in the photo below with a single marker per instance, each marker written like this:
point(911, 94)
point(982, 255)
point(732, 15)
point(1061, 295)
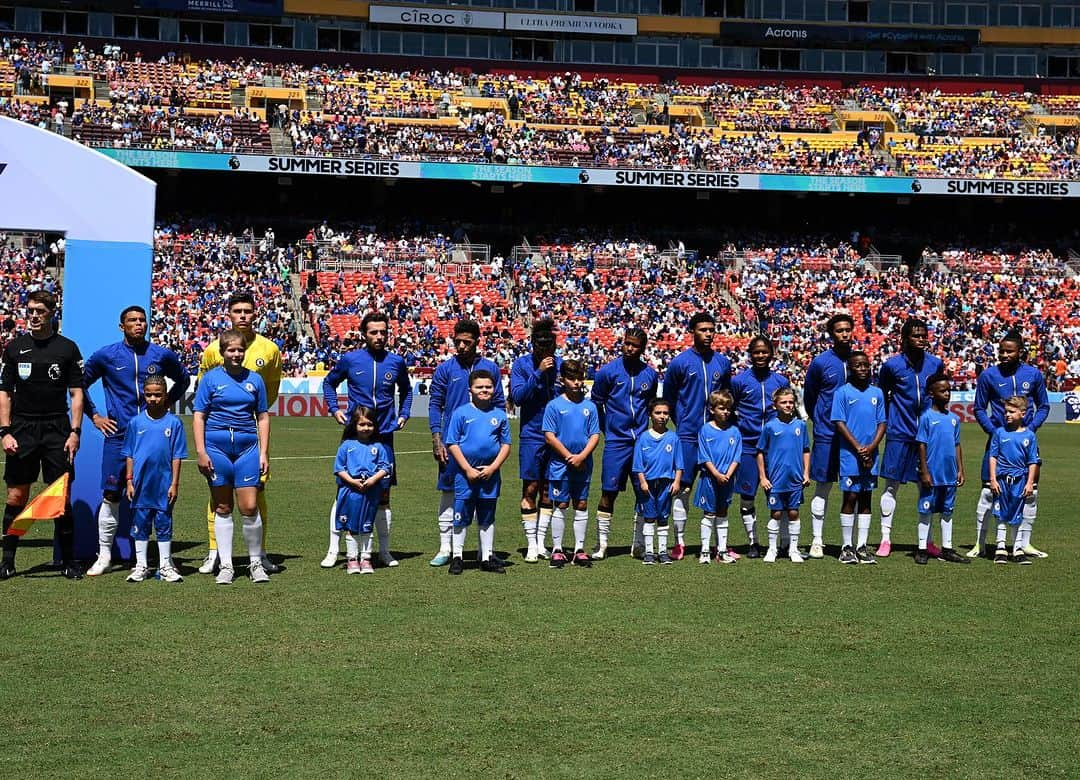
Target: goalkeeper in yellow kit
point(264, 358)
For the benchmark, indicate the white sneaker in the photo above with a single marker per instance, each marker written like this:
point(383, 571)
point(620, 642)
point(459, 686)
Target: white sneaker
point(795, 555)
point(704, 558)
point(531, 556)
point(225, 575)
point(975, 551)
point(101, 565)
point(330, 561)
point(209, 563)
point(257, 572)
point(817, 550)
point(543, 553)
point(387, 559)
point(770, 555)
point(600, 553)
point(138, 574)
point(169, 574)
point(1034, 552)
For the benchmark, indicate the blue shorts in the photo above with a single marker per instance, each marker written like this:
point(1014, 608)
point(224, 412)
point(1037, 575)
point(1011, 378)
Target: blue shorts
point(657, 504)
point(466, 508)
point(113, 465)
point(901, 461)
point(481, 488)
point(937, 499)
point(445, 481)
point(571, 489)
point(825, 460)
point(1009, 505)
point(143, 519)
point(615, 465)
point(533, 460)
point(858, 483)
point(712, 497)
point(690, 464)
point(778, 502)
point(235, 458)
point(356, 511)
point(746, 476)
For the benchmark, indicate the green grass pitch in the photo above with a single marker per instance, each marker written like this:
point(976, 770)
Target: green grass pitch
point(691, 671)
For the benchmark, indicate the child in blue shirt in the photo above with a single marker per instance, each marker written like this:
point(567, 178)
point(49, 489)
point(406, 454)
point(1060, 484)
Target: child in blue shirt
point(571, 431)
point(657, 476)
point(783, 456)
point(478, 440)
point(858, 411)
point(362, 467)
point(154, 446)
point(719, 452)
point(1014, 470)
point(941, 469)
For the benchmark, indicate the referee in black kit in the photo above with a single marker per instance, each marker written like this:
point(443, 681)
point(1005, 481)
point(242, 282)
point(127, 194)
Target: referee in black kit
point(41, 369)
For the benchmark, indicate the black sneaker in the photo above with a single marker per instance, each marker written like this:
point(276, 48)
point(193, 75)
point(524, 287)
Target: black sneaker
point(1022, 559)
point(864, 555)
point(847, 555)
point(1001, 556)
point(493, 565)
point(922, 557)
point(72, 571)
point(456, 566)
point(753, 551)
point(581, 558)
point(7, 570)
point(558, 559)
point(952, 556)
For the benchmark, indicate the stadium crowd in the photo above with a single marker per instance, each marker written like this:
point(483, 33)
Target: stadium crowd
point(562, 119)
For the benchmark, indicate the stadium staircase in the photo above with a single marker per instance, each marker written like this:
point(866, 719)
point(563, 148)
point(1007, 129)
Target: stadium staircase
point(279, 142)
point(101, 90)
point(238, 97)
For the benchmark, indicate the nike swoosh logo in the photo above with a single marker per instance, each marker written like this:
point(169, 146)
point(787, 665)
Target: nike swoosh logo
point(777, 433)
point(852, 401)
point(250, 479)
point(24, 351)
point(562, 411)
point(1002, 384)
point(469, 420)
point(934, 422)
point(140, 433)
point(220, 387)
point(455, 378)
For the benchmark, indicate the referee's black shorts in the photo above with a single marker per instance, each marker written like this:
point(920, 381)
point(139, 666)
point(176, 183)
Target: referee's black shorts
point(41, 449)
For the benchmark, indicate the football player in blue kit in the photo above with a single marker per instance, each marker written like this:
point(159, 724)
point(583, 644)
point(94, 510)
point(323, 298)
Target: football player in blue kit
point(231, 428)
point(123, 369)
point(826, 374)
point(902, 379)
point(689, 379)
point(622, 391)
point(534, 381)
point(783, 459)
point(362, 468)
point(1014, 469)
point(941, 469)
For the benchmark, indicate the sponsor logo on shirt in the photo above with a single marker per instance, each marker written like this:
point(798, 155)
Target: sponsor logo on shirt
point(259, 362)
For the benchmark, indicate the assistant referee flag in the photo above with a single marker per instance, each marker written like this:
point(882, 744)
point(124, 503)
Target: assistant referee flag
point(49, 504)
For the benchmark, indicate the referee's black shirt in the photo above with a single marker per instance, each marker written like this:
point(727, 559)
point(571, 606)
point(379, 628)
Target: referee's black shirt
point(37, 373)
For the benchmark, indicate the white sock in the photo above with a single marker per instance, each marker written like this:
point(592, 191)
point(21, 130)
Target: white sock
point(888, 508)
point(528, 525)
point(457, 541)
point(863, 519)
point(678, 515)
point(924, 531)
point(603, 528)
point(661, 537)
point(648, 530)
point(749, 522)
point(365, 547)
point(223, 532)
point(542, 524)
point(142, 546)
point(708, 522)
point(639, 530)
point(446, 520)
point(487, 542)
point(335, 534)
point(819, 505)
point(1029, 512)
point(983, 516)
point(253, 535)
point(721, 534)
point(107, 516)
point(847, 523)
point(581, 528)
point(1002, 532)
point(164, 554)
point(383, 523)
point(558, 527)
point(794, 528)
point(1023, 536)
point(774, 532)
point(946, 530)
point(352, 549)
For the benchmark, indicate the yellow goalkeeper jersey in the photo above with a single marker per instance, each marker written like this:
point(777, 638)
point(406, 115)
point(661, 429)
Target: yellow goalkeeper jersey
point(262, 356)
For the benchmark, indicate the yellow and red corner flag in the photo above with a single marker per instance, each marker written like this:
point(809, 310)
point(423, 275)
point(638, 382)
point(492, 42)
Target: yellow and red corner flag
point(49, 504)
